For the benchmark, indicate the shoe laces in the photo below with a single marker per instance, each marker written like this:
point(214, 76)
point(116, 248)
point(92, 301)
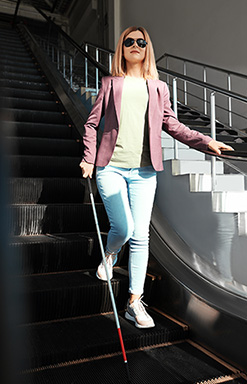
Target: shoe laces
point(140, 305)
point(110, 256)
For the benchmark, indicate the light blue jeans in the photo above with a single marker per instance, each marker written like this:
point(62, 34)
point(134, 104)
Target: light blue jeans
point(128, 195)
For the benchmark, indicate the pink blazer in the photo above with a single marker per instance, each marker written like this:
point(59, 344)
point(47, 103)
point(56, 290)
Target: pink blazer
point(160, 115)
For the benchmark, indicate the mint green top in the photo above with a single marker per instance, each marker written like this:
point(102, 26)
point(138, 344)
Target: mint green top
point(132, 146)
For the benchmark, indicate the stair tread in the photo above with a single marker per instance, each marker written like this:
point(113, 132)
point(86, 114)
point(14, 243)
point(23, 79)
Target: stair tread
point(173, 364)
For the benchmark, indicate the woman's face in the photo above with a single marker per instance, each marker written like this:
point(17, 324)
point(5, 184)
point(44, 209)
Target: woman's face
point(134, 54)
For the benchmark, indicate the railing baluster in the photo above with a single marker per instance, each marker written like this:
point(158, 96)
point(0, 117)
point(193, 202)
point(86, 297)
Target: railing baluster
point(229, 86)
point(205, 91)
point(213, 135)
point(175, 108)
point(86, 68)
point(97, 71)
point(185, 85)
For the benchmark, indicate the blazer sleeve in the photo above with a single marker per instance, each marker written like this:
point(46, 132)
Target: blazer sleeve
point(91, 126)
point(180, 131)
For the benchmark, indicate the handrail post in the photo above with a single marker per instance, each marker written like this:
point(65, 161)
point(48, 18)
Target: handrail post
point(213, 135)
point(86, 68)
point(205, 91)
point(229, 100)
point(97, 71)
point(185, 85)
point(175, 109)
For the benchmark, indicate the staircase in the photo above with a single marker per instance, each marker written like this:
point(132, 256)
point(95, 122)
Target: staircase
point(70, 334)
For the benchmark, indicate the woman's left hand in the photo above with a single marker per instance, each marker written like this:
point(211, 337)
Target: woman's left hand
point(217, 146)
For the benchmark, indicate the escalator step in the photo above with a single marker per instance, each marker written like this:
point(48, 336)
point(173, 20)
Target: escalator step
point(26, 64)
point(9, 49)
point(21, 76)
point(42, 146)
point(67, 340)
point(17, 69)
point(32, 104)
point(40, 85)
point(70, 294)
point(37, 116)
point(170, 365)
point(12, 58)
point(38, 254)
point(47, 190)
point(49, 166)
point(33, 129)
point(29, 94)
point(35, 219)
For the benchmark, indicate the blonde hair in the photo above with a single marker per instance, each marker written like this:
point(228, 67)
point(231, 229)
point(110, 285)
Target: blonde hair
point(119, 62)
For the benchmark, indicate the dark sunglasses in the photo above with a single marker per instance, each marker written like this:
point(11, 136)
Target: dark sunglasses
point(140, 42)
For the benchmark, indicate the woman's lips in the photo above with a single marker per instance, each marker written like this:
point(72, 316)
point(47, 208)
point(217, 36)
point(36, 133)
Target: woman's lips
point(134, 51)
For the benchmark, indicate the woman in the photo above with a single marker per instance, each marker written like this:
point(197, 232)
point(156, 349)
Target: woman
point(136, 105)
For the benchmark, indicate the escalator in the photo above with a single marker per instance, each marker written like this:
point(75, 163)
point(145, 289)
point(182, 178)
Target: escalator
point(67, 329)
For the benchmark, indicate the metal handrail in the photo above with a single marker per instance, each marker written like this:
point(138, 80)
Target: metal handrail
point(106, 50)
point(202, 84)
point(201, 64)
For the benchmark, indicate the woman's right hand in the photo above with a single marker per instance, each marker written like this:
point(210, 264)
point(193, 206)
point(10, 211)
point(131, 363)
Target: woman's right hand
point(87, 169)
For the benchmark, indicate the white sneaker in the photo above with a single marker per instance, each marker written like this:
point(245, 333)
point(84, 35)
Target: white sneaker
point(110, 261)
point(137, 313)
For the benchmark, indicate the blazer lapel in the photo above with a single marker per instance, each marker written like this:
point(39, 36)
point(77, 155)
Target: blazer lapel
point(117, 84)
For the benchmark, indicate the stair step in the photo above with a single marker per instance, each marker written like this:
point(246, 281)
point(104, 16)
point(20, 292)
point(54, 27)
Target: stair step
point(43, 146)
point(207, 130)
point(229, 201)
point(30, 219)
point(36, 254)
point(67, 340)
point(48, 190)
point(71, 294)
point(49, 166)
point(171, 364)
point(203, 183)
point(33, 129)
point(181, 167)
point(201, 123)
